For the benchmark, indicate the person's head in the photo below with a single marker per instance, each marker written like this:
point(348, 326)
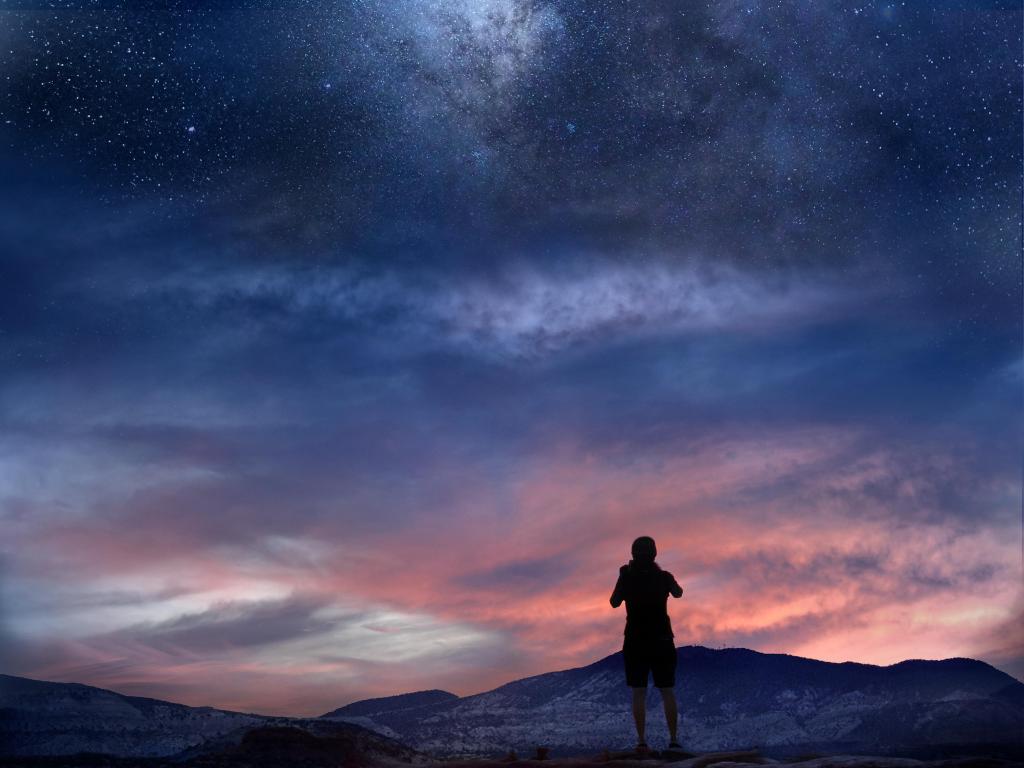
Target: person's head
point(644, 550)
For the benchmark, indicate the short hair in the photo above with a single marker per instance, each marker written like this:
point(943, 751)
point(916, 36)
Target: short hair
point(644, 549)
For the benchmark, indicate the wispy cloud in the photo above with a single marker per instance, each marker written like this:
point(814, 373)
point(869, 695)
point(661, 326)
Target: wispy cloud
point(235, 625)
point(525, 312)
point(462, 596)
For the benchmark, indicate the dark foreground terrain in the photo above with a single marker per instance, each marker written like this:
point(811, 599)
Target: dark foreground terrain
point(289, 747)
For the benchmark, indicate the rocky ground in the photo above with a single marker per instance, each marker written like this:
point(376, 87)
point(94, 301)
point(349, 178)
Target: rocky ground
point(286, 747)
point(742, 759)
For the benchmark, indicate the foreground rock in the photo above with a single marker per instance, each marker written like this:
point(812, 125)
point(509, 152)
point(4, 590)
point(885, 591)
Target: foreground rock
point(737, 759)
point(262, 747)
point(292, 747)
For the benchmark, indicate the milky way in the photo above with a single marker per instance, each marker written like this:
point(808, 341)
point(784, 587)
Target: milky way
point(347, 345)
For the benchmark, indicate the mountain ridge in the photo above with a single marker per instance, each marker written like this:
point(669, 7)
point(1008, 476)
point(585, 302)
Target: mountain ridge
point(46, 718)
point(728, 698)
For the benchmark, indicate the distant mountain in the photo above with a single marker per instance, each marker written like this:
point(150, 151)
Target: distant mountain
point(729, 699)
point(369, 707)
point(44, 718)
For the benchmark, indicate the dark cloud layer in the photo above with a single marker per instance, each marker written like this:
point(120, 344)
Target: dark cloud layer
point(227, 627)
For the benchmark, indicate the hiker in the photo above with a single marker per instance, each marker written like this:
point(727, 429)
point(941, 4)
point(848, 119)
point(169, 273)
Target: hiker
point(648, 646)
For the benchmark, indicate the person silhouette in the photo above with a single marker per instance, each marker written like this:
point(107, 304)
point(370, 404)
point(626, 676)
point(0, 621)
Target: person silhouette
point(648, 646)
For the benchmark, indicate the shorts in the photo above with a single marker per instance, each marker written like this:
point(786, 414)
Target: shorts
point(645, 656)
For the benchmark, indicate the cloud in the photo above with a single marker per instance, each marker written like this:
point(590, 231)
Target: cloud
point(778, 566)
point(302, 653)
point(912, 480)
point(230, 626)
point(522, 314)
point(1002, 642)
point(521, 577)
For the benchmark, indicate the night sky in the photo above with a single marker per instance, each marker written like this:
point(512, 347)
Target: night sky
point(345, 346)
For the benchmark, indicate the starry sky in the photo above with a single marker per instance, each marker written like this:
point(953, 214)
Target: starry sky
point(345, 346)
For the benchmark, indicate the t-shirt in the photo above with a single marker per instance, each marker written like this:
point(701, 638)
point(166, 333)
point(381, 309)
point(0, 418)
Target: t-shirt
point(645, 589)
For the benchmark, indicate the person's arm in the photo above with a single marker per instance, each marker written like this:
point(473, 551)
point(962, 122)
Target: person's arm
point(673, 586)
point(618, 595)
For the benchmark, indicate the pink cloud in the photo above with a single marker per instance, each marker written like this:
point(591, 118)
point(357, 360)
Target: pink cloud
point(529, 566)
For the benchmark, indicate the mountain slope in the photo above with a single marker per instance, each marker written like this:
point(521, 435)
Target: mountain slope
point(40, 717)
point(44, 718)
point(729, 699)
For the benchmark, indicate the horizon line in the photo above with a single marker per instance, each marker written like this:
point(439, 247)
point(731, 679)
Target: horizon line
point(519, 679)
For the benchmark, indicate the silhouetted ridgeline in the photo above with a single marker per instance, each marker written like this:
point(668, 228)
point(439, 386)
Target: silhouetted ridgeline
point(729, 699)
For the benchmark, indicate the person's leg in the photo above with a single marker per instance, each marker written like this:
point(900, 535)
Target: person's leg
point(668, 697)
point(638, 671)
point(640, 711)
point(664, 671)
